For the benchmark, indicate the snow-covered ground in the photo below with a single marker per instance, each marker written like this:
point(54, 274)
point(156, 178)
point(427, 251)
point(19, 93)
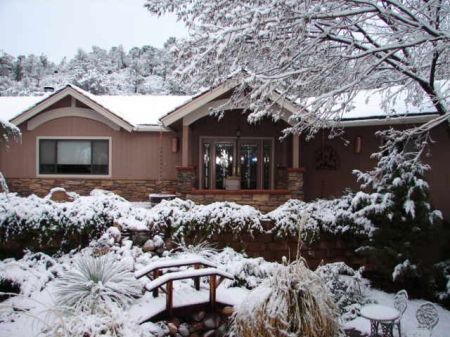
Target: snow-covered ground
point(408, 323)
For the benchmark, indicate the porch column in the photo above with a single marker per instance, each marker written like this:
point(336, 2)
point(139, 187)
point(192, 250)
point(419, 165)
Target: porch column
point(295, 173)
point(295, 151)
point(185, 147)
point(185, 173)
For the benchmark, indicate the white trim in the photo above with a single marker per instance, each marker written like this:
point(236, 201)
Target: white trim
point(152, 128)
point(198, 102)
point(69, 90)
point(410, 119)
point(85, 176)
point(50, 115)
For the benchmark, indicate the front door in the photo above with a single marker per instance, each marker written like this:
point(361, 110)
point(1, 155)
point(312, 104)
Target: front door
point(251, 159)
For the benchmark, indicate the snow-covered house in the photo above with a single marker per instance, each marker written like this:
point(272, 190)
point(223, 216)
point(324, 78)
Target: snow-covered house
point(137, 145)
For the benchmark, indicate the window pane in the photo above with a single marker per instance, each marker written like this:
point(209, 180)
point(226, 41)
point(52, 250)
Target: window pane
point(206, 164)
point(100, 152)
point(267, 163)
point(47, 152)
point(224, 163)
point(74, 152)
point(249, 166)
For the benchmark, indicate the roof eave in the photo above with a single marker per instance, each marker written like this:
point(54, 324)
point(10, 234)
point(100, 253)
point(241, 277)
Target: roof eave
point(78, 94)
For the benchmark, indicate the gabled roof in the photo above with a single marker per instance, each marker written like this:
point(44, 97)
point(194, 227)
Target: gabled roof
point(210, 94)
point(128, 112)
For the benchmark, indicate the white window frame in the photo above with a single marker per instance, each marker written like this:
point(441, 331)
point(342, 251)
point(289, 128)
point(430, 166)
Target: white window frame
point(86, 176)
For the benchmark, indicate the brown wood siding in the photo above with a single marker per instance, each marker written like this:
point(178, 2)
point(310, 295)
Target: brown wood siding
point(328, 183)
point(135, 155)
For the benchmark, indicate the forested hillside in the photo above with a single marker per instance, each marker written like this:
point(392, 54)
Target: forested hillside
point(144, 70)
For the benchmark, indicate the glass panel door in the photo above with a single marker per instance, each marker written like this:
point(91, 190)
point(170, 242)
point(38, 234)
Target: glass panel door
point(224, 163)
point(249, 165)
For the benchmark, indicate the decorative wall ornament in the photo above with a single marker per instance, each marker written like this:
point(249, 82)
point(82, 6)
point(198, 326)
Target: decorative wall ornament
point(326, 158)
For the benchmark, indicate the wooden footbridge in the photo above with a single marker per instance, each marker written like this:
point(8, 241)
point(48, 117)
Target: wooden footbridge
point(163, 274)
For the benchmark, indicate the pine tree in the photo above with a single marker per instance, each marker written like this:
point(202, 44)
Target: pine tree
point(403, 218)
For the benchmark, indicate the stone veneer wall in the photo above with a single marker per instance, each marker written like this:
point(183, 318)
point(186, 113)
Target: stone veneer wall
point(264, 200)
point(132, 190)
point(327, 249)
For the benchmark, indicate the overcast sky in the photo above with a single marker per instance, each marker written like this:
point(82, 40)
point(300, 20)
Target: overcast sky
point(58, 28)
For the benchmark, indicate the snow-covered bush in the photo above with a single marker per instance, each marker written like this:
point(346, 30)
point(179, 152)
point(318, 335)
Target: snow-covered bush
point(31, 273)
point(42, 222)
point(184, 218)
point(247, 272)
point(398, 204)
point(346, 286)
point(307, 220)
point(293, 302)
point(95, 284)
point(220, 217)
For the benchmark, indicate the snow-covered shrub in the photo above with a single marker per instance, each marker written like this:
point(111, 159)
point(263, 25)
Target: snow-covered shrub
point(113, 324)
point(184, 218)
point(31, 273)
point(441, 282)
point(172, 213)
point(346, 286)
point(95, 284)
point(42, 222)
point(398, 204)
point(247, 272)
point(220, 217)
point(293, 302)
point(307, 220)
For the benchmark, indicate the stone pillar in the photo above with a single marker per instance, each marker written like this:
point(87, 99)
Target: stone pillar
point(295, 182)
point(185, 179)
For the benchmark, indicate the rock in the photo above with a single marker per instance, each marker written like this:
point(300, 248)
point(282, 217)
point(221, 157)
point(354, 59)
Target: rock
point(183, 330)
point(227, 311)
point(212, 321)
point(60, 195)
point(172, 328)
point(158, 241)
point(149, 246)
point(114, 233)
point(198, 316)
point(194, 335)
point(197, 327)
point(175, 321)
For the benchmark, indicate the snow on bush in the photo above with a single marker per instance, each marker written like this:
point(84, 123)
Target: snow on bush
point(32, 273)
point(346, 286)
point(219, 217)
point(292, 302)
point(247, 272)
point(96, 284)
point(307, 220)
point(43, 220)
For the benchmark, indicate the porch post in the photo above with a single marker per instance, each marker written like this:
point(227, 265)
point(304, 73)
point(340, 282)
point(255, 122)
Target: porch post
point(185, 173)
point(185, 147)
point(295, 173)
point(295, 151)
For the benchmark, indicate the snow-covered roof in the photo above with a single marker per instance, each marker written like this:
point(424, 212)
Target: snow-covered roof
point(137, 110)
point(152, 112)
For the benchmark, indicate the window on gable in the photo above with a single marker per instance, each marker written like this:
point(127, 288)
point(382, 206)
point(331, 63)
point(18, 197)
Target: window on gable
point(74, 156)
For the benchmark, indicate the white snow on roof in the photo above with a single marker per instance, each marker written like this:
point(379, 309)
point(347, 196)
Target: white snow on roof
point(136, 110)
point(141, 110)
point(10, 107)
point(369, 103)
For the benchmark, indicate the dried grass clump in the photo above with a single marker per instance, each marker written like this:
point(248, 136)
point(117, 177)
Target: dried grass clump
point(293, 302)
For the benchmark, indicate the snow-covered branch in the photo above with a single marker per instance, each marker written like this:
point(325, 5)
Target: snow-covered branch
point(310, 50)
